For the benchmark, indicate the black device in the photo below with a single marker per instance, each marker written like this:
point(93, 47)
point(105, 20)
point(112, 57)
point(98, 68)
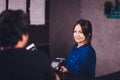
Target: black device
point(57, 63)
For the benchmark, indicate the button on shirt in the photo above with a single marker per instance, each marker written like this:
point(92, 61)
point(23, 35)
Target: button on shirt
point(81, 61)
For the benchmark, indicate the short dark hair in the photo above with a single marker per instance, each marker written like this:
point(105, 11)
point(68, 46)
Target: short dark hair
point(13, 23)
point(86, 28)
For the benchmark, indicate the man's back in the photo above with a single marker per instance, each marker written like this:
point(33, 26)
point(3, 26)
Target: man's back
point(20, 64)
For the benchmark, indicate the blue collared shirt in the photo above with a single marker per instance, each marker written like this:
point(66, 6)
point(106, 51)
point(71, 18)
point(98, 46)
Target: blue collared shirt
point(81, 61)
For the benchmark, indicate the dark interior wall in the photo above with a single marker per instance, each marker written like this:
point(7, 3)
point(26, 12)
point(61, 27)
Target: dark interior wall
point(39, 35)
point(63, 15)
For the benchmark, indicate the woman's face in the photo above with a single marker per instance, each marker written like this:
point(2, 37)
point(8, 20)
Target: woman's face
point(79, 37)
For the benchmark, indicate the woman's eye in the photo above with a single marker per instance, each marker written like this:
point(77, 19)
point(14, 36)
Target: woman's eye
point(75, 31)
point(80, 32)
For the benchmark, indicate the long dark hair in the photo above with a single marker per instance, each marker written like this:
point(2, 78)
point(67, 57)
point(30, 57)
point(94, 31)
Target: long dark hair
point(86, 29)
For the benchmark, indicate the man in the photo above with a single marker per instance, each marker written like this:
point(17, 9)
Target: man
point(17, 63)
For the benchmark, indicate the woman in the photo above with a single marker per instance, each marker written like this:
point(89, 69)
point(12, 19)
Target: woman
point(81, 61)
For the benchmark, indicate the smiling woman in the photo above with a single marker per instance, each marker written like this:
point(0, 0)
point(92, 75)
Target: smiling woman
point(79, 36)
point(81, 61)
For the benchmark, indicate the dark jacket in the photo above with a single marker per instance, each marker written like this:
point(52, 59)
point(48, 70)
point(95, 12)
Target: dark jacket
point(21, 64)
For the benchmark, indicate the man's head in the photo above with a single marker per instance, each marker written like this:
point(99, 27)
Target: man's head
point(14, 26)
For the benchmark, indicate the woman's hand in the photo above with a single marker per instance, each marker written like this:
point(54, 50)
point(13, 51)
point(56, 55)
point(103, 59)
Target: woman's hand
point(63, 69)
